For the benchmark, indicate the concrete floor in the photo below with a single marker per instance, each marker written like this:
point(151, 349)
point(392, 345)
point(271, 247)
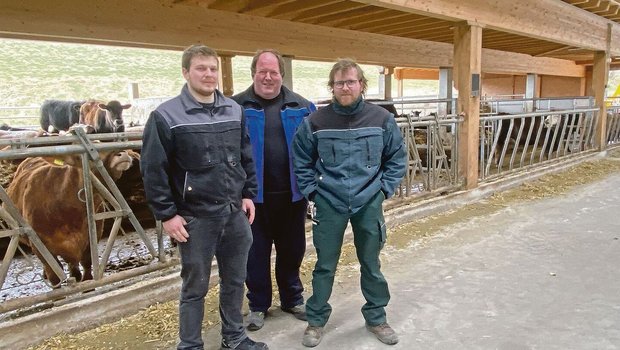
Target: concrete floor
point(535, 275)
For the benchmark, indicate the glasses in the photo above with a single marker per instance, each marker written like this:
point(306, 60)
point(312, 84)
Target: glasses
point(350, 83)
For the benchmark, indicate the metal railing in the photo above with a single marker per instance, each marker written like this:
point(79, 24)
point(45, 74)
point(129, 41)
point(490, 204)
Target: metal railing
point(512, 142)
point(432, 161)
point(137, 250)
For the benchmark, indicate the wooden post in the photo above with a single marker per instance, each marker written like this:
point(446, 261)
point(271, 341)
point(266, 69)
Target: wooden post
point(133, 91)
point(467, 63)
point(287, 79)
point(600, 72)
point(387, 81)
point(226, 75)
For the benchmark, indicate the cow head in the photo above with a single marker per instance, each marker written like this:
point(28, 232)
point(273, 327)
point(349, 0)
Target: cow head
point(551, 121)
point(115, 162)
point(114, 114)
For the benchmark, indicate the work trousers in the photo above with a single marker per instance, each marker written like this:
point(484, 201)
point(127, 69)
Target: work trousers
point(369, 235)
point(280, 223)
point(228, 238)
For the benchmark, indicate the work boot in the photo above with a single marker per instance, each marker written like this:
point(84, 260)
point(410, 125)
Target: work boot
point(384, 333)
point(246, 344)
point(312, 336)
point(256, 320)
point(299, 311)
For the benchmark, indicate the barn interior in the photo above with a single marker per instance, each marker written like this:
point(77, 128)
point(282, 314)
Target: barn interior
point(479, 51)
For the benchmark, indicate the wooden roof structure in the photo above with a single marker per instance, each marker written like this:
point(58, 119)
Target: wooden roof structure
point(538, 36)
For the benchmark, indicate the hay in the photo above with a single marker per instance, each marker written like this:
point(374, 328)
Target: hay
point(156, 327)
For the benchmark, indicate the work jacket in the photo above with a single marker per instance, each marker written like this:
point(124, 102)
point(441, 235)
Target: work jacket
point(195, 160)
point(293, 110)
point(348, 158)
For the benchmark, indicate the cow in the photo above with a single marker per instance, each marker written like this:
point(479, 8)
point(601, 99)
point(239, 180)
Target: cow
point(57, 115)
point(105, 118)
point(59, 217)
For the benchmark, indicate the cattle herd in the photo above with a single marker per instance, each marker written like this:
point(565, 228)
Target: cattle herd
point(57, 115)
point(59, 216)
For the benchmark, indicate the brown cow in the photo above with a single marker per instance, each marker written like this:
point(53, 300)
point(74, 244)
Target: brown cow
point(59, 216)
point(105, 118)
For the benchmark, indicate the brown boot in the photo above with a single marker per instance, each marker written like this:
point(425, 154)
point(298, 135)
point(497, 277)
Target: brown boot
point(384, 333)
point(312, 336)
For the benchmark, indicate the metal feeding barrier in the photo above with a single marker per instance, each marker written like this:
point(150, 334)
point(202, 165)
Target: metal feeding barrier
point(513, 141)
point(17, 227)
point(432, 155)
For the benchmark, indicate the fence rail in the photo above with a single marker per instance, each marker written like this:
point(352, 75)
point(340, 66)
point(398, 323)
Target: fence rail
point(508, 143)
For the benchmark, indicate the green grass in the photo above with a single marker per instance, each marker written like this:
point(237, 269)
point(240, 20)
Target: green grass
point(33, 71)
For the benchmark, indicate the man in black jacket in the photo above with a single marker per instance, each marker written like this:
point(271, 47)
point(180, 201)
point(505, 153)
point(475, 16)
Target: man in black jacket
point(199, 179)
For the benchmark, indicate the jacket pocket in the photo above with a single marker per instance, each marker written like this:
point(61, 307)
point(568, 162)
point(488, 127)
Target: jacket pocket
point(382, 232)
point(328, 154)
point(204, 186)
point(373, 150)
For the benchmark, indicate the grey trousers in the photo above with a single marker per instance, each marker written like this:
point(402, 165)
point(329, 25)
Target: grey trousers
point(228, 238)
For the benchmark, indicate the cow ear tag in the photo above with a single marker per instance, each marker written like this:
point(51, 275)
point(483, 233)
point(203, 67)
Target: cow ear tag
point(59, 162)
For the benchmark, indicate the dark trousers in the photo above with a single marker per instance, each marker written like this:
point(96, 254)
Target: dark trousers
point(281, 223)
point(228, 238)
point(369, 236)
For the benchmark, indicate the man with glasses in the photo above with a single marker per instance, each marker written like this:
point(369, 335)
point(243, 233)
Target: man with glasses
point(273, 113)
point(348, 158)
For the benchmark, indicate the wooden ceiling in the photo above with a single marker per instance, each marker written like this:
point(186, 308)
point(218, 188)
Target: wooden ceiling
point(370, 18)
point(550, 37)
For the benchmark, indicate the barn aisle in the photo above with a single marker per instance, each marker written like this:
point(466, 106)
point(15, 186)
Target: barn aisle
point(534, 275)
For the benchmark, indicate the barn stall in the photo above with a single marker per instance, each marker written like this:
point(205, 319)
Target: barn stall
point(464, 47)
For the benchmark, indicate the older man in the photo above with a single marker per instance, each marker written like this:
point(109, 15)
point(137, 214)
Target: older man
point(273, 113)
point(349, 157)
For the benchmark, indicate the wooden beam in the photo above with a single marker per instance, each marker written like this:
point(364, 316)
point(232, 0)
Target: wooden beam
point(338, 8)
point(363, 15)
point(600, 72)
point(550, 20)
point(502, 62)
point(467, 64)
point(292, 8)
point(416, 73)
point(139, 23)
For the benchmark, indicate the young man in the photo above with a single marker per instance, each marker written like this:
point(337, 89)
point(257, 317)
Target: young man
point(349, 156)
point(199, 179)
point(273, 114)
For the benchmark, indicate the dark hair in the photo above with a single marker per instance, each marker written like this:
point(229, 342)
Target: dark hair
point(196, 50)
point(345, 64)
point(272, 51)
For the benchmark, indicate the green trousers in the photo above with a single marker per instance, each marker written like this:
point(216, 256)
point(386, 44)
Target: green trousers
point(369, 237)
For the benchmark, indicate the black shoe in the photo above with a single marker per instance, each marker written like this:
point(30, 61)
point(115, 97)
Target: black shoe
point(246, 344)
point(256, 320)
point(299, 311)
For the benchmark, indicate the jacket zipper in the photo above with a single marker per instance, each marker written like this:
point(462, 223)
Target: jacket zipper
point(184, 185)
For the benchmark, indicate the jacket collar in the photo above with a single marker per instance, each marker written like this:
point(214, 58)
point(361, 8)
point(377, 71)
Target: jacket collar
point(354, 108)
point(190, 103)
point(250, 97)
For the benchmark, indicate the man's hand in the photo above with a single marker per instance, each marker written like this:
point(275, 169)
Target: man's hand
point(174, 228)
point(248, 208)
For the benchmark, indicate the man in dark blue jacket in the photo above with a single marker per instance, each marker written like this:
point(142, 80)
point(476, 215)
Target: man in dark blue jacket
point(349, 156)
point(199, 179)
point(273, 113)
